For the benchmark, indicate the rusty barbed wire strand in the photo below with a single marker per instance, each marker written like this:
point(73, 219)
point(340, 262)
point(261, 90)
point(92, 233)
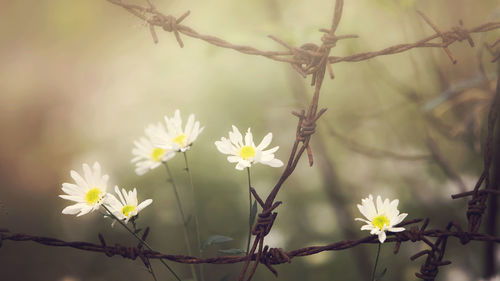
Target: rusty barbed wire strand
point(314, 60)
point(477, 204)
point(316, 66)
point(307, 54)
point(423, 43)
point(414, 234)
point(336, 195)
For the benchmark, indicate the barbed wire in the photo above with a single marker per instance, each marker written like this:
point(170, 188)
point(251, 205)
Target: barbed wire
point(314, 60)
point(414, 234)
point(305, 58)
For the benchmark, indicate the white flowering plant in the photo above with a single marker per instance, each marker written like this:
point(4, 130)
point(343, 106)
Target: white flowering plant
point(88, 191)
point(245, 153)
point(381, 218)
point(148, 156)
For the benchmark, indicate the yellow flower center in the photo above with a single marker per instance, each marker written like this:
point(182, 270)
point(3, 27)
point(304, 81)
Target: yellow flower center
point(181, 140)
point(247, 152)
point(380, 221)
point(157, 154)
point(127, 209)
point(93, 195)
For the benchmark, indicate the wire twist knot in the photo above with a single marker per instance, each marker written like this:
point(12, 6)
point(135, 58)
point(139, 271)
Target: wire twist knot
point(430, 269)
point(307, 128)
point(307, 57)
point(463, 237)
point(126, 252)
point(329, 40)
point(264, 223)
point(475, 210)
point(459, 33)
point(414, 234)
point(169, 23)
point(272, 256)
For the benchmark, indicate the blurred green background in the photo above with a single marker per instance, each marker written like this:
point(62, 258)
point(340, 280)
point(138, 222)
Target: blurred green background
point(79, 81)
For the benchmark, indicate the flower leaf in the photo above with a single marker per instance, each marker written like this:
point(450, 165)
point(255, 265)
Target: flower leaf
point(215, 239)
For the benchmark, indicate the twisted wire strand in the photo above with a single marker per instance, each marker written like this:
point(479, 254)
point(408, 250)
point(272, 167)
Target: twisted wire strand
point(274, 256)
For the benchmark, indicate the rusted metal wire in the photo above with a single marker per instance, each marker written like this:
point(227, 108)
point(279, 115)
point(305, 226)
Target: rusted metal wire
point(477, 204)
point(314, 60)
point(306, 58)
point(271, 256)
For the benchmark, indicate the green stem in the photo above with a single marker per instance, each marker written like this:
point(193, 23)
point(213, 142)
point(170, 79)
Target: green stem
point(195, 211)
point(149, 266)
point(150, 269)
point(376, 262)
point(183, 218)
point(249, 211)
point(141, 241)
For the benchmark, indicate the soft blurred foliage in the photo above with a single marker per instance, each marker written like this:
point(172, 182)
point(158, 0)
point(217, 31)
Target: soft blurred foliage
point(79, 81)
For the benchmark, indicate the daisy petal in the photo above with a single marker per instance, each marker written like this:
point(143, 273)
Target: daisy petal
point(144, 204)
point(382, 236)
point(265, 141)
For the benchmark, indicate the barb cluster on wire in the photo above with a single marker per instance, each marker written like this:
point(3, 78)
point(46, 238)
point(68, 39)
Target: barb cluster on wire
point(314, 60)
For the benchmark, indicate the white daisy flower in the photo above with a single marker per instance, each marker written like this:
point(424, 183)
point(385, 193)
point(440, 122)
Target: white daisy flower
point(176, 137)
point(88, 191)
point(127, 207)
point(380, 219)
point(148, 156)
point(246, 154)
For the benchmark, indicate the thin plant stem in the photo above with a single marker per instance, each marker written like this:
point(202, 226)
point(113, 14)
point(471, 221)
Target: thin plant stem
point(376, 262)
point(183, 217)
point(141, 241)
point(195, 212)
point(249, 211)
point(149, 265)
point(151, 271)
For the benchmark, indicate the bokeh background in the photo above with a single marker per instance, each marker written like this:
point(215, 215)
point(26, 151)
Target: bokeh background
point(79, 81)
